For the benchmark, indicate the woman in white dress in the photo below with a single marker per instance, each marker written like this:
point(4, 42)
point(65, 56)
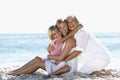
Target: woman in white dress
point(94, 56)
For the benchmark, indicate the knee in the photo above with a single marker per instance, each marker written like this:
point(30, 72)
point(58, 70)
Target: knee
point(38, 59)
point(66, 68)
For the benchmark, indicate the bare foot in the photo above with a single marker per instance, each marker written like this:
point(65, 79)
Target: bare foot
point(94, 72)
point(102, 72)
point(12, 73)
point(108, 72)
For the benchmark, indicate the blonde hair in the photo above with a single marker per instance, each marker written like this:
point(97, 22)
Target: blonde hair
point(76, 20)
point(51, 32)
point(59, 21)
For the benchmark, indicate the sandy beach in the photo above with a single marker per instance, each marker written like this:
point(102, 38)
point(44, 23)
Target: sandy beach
point(42, 75)
point(16, 50)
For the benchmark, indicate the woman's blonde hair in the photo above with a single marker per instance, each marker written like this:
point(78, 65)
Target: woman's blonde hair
point(59, 21)
point(76, 20)
point(51, 32)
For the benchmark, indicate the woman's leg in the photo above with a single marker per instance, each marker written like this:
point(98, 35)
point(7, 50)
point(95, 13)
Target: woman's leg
point(61, 70)
point(30, 67)
point(27, 64)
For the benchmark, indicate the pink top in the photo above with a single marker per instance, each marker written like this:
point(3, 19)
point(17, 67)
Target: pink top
point(57, 48)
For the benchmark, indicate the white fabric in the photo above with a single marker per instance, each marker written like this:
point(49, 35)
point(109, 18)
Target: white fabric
point(52, 67)
point(81, 38)
point(94, 55)
point(62, 64)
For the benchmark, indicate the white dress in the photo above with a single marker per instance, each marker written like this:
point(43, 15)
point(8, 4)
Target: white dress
point(94, 55)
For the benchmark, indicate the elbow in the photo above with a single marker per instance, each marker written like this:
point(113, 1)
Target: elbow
point(78, 52)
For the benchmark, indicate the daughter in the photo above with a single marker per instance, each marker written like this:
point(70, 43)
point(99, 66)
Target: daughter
point(56, 38)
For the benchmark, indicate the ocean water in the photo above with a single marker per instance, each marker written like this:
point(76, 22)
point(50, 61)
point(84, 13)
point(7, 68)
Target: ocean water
point(20, 48)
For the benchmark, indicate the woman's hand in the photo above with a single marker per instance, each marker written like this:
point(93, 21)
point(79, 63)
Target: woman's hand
point(50, 48)
point(57, 62)
point(49, 56)
point(52, 57)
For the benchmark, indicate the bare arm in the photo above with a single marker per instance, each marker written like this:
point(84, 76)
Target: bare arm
point(68, 36)
point(72, 55)
point(70, 43)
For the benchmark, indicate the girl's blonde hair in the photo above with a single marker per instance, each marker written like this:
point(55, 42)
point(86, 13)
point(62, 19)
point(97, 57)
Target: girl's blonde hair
point(51, 32)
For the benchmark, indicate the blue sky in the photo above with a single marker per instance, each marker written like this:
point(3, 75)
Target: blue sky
point(35, 16)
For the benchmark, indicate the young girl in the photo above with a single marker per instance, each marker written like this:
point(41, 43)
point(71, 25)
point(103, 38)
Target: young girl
point(56, 38)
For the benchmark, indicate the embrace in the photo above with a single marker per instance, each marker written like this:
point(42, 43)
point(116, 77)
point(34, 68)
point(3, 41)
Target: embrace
point(72, 49)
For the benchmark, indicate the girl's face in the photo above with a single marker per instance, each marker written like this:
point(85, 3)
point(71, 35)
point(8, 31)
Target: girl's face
point(57, 34)
point(72, 24)
point(63, 28)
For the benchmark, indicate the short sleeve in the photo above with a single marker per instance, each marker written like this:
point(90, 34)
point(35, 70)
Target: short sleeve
point(81, 40)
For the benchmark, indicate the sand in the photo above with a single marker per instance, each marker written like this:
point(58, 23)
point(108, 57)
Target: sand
point(42, 75)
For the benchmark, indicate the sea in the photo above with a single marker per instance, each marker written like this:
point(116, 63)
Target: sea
point(17, 49)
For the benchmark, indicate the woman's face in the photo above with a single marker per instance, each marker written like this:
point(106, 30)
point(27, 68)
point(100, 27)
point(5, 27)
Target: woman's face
point(63, 28)
point(72, 24)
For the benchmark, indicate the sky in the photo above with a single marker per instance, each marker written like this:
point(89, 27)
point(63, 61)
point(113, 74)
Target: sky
point(35, 16)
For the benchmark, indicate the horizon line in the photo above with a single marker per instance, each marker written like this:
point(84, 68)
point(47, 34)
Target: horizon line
point(46, 33)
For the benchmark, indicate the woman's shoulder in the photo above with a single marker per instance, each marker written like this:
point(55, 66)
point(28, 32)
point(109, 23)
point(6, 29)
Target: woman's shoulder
point(82, 31)
point(71, 42)
point(70, 39)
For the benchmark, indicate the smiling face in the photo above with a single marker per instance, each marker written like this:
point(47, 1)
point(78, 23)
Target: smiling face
point(56, 34)
point(72, 23)
point(63, 28)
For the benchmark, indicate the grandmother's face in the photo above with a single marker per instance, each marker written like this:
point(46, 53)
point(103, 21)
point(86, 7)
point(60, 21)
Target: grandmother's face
point(63, 28)
point(72, 24)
